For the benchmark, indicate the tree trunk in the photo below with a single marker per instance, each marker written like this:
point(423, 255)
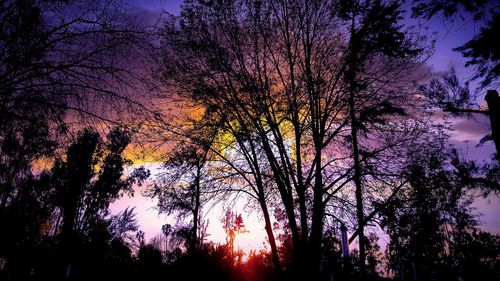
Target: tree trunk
point(351, 78)
point(493, 101)
point(196, 210)
point(357, 182)
point(269, 231)
point(286, 196)
point(68, 239)
point(314, 253)
point(357, 178)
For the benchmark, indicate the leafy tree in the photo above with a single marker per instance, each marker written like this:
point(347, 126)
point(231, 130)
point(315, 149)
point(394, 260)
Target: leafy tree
point(258, 266)
point(48, 79)
point(482, 53)
point(87, 181)
point(431, 223)
point(150, 261)
point(475, 255)
point(233, 225)
point(374, 30)
point(27, 220)
point(452, 96)
point(123, 227)
point(481, 50)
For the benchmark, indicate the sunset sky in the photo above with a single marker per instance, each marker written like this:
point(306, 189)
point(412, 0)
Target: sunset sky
point(249, 140)
point(465, 137)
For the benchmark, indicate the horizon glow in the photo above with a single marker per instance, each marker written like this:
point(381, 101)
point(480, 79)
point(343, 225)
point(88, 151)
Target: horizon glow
point(465, 137)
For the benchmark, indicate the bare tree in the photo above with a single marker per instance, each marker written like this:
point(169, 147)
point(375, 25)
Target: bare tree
point(80, 58)
point(278, 76)
point(185, 185)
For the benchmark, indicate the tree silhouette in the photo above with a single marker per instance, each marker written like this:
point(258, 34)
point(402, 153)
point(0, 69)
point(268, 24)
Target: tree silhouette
point(45, 65)
point(481, 50)
point(274, 74)
point(183, 188)
point(308, 109)
point(374, 29)
point(123, 227)
point(233, 225)
point(431, 222)
point(448, 93)
point(49, 78)
point(84, 192)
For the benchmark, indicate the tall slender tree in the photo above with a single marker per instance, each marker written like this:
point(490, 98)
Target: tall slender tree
point(86, 182)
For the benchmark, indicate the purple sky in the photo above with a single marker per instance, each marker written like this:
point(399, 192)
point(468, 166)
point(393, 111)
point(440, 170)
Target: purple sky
point(467, 133)
point(171, 6)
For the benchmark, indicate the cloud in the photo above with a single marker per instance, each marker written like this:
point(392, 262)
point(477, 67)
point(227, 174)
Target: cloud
point(466, 134)
point(471, 129)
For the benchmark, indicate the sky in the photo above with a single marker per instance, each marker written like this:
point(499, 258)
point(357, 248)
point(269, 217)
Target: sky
point(170, 6)
point(466, 135)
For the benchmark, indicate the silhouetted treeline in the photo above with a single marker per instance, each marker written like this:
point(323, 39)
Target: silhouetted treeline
point(312, 111)
point(57, 221)
point(58, 73)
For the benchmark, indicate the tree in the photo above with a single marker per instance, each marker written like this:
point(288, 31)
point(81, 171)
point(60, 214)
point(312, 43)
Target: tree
point(185, 186)
point(454, 97)
point(374, 30)
point(86, 183)
point(48, 78)
point(481, 52)
point(26, 218)
point(431, 223)
point(124, 226)
point(45, 65)
point(274, 74)
point(58, 63)
point(233, 225)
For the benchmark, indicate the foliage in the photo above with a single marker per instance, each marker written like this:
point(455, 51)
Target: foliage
point(430, 8)
point(77, 193)
point(307, 108)
point(481, 51)
point(448, 93)
point(91, 178)
point(431, 224)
